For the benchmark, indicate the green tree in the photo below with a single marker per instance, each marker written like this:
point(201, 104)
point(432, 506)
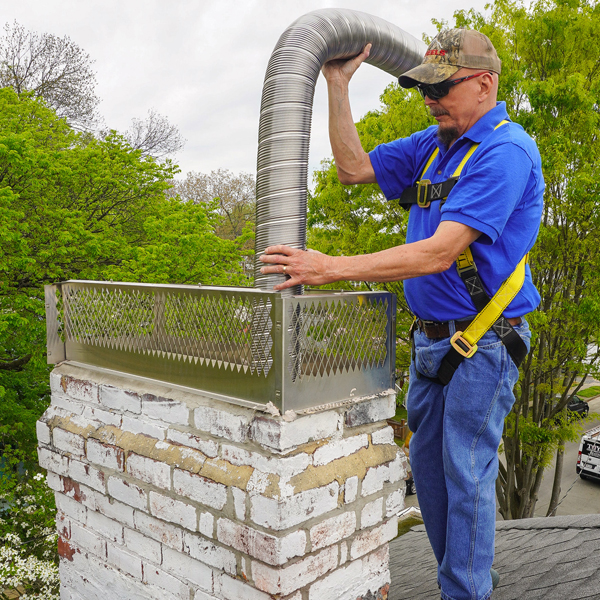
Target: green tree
point(72, 207)
point(551, 83)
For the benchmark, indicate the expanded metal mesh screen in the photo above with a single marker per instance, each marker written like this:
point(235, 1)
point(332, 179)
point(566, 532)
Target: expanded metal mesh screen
point(172, 324)
point(335, 336)
point(227, 340)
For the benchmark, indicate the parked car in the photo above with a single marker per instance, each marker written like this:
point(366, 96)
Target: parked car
point(588, 459)
point(578, 406)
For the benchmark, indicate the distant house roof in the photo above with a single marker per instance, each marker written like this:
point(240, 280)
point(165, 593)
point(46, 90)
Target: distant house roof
point(552, 558)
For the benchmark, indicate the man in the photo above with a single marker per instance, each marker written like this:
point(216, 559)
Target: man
point(492, 204)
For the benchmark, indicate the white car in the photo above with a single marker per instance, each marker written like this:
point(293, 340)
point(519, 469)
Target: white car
point(588, 459)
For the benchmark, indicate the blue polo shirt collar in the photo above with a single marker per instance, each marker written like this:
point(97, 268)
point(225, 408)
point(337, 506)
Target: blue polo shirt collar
point(482, 128)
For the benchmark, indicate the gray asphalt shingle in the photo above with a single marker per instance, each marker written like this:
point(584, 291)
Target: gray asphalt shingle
point(554, 558)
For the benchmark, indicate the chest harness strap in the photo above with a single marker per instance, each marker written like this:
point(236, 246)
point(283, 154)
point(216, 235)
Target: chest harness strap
point(464, 343)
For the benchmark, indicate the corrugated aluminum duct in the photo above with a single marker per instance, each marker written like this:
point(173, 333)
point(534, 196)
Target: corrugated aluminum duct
point(286, 111)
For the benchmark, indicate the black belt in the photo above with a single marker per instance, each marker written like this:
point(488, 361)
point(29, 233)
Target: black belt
point(435, 330)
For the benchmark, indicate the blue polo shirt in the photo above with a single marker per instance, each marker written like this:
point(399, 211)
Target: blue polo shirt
point(500, 193)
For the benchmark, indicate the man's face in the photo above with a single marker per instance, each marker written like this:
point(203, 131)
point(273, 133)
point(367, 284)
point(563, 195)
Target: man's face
point(460, 109)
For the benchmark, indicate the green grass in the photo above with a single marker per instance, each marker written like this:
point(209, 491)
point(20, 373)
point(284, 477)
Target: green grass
point(401, 413)
point(589, 392)
point(405, 525)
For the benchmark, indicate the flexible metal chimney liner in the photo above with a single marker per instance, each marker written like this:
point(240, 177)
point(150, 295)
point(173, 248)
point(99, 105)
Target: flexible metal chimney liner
point(286, 111)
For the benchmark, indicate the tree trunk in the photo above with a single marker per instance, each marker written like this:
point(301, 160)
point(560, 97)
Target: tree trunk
point(560, 454)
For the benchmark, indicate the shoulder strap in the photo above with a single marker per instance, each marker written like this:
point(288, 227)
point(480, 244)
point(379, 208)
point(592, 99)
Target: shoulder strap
point(424, 192)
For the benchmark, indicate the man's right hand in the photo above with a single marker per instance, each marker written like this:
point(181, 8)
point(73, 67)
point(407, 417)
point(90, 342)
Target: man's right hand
point(343, 69)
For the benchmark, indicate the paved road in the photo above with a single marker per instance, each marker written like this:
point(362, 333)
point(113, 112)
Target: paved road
point(580, 497)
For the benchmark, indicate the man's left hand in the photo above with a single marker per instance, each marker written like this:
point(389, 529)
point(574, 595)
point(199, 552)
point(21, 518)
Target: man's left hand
point(304, 267)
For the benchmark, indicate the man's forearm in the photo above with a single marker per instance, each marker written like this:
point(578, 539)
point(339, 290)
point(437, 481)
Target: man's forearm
point(352, 162)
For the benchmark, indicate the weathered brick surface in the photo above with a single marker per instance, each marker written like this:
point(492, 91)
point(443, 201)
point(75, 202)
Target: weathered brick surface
point(162, 494)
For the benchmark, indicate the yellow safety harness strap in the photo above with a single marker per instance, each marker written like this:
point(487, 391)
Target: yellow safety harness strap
point(464, 343)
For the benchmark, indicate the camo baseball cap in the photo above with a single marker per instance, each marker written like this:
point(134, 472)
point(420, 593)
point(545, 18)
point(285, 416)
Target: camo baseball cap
point(450, 51)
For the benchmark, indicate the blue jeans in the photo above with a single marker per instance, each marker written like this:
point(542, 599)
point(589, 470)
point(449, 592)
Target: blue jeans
point(454, 456)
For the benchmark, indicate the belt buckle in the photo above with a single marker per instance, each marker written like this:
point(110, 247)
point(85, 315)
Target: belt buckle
point(462, 346)
point(423, 202)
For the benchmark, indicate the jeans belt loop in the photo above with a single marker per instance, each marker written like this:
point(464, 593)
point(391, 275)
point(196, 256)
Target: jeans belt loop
point(452, 327)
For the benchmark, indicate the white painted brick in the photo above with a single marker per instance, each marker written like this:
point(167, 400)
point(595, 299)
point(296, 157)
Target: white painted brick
point(88, 540)
point(239, 503)
point(61, 401)
point(281, 435)
point(138, 426)
point(86, 474)
point(71, 508)
point(165, 409)
point(206, 524)
point(372, 410)
point(105, 455)
point(221, 423)
point(350, 489)
point(343, 553)
point(142, 545)
point(374, 479)
point(208, 447)
point(200, 595)
point(282, 466)
point(268, 548)
point(394, 502)
point(63, 525)
point(209, 553)
point(188, 568)
point(168, 509)
point(332, 530)
point(383, 436)
point(288, 512)
point(80, 389)
point(117, 511)
point(54, 482)
point(149, 470)
point(371, 514)
point(43, 432)
point(258, 482)
point(124, 561)
point(53, 461)
point(339, 449)
point(55, 387)
point(155, 576)
point(103, 416)
point(199, 489)
point(158, 530)
point(371, 539)
point(355, 580)
point(397, 468)
point(295, 576)
point(105, 526)
point(68, 442)
point(121, 400)
point(228, 587)
point(128, 492)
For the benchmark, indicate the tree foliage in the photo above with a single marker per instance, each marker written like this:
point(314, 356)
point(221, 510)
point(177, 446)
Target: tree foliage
point(55, 69)
point(551, 83)
point(155, 136)
point(232, 197)
point(72, 207)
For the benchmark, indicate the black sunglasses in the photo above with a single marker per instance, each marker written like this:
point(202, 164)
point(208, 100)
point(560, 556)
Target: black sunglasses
point(438, 90)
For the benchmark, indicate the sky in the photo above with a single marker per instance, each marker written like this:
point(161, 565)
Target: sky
point(202, 63)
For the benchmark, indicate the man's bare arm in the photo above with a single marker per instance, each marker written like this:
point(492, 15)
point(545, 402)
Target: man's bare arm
point(352, 162)
point(432, 255)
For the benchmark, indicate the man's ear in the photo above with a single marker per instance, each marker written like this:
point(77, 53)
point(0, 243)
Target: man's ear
point(486, 87)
